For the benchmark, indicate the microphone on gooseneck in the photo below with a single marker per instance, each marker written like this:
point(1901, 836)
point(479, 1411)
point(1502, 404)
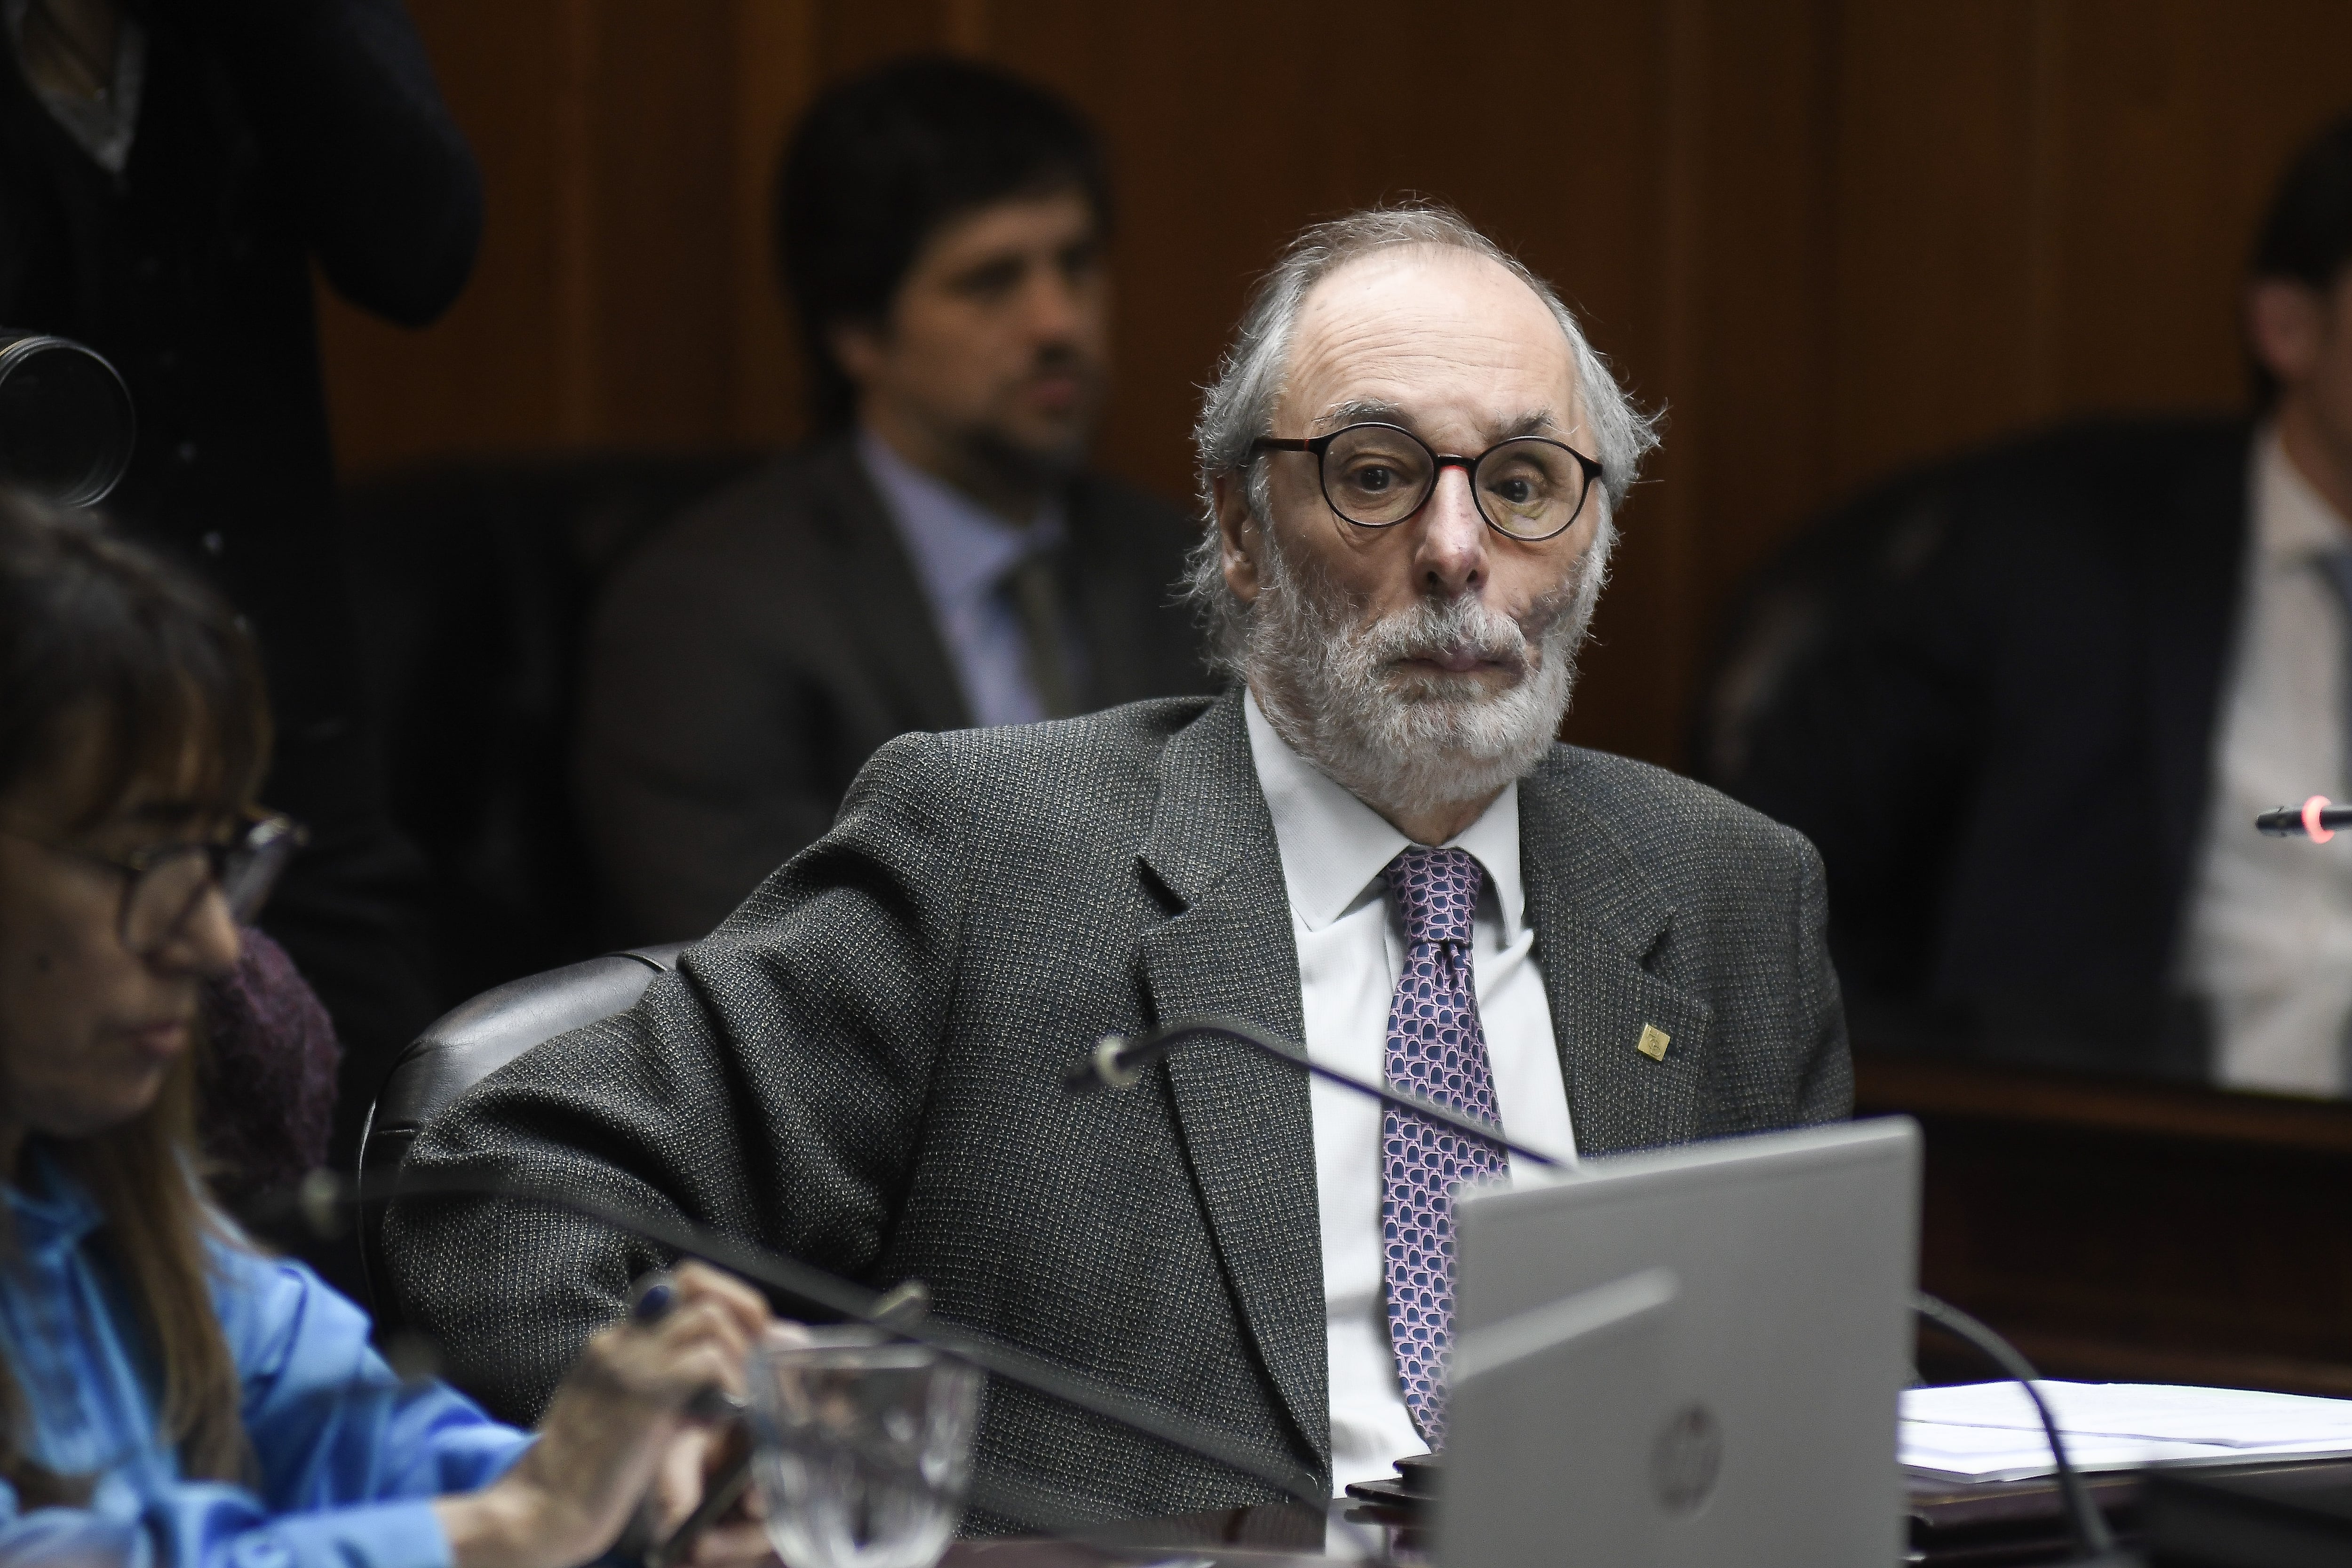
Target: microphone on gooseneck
point(1117, 1062)
point(2315, 819)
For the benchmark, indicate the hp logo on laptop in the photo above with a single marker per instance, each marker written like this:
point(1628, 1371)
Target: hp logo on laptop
point(1686, 1458)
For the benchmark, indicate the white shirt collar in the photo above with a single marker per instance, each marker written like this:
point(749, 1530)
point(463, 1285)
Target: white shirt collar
point(2292, 521)
point(1333, 847)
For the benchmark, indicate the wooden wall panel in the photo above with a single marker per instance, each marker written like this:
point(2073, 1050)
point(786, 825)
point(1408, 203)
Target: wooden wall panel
point(2044, 207)
point(603, 309)
point(1829, 237)
point(776, 69)
point(486, 377)
point(1740, 361)
point(661, 222)
point(2176, 120)
point(1933, 285)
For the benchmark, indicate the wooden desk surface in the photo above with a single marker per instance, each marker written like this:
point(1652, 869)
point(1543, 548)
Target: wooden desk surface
point(2129, 1231)
point(2013, 1524)
point(1272, 1535)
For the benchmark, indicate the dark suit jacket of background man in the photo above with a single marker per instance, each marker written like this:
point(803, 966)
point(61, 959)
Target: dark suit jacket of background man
point(744, 665)
point(862, 1067)
point(1989, 692)
point(271, 134)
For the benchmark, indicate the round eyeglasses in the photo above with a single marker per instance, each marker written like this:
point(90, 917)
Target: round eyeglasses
point(162, 883)
point(1378, 475)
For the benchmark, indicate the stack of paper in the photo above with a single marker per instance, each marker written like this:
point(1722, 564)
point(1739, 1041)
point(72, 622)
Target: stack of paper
point(1989, 1431)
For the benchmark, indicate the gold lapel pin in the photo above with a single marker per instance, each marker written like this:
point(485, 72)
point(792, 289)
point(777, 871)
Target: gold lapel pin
point(1654, 1042)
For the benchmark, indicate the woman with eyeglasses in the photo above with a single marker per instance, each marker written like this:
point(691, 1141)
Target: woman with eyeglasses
point(167, 1393)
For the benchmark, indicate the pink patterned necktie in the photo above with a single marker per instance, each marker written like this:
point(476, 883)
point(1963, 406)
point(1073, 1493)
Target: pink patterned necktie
point(1437, 1050)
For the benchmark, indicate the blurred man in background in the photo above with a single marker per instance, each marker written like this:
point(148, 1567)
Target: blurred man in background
point(939, 556)
point(169, 174)
point(2029, 705)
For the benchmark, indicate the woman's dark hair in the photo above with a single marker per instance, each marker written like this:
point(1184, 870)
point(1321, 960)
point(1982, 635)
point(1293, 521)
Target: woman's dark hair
point(93, 625)
point(2307, 235)
point(881, 162)
point(94, 630)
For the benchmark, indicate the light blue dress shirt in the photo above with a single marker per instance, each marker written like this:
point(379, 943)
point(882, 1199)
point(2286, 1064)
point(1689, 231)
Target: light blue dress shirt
point(348, 1458)
point(961, 551)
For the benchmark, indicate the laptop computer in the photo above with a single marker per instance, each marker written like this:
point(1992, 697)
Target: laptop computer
point(1685, 1357)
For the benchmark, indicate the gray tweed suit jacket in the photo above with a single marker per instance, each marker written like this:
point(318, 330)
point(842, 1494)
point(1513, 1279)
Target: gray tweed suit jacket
point(861, 1066)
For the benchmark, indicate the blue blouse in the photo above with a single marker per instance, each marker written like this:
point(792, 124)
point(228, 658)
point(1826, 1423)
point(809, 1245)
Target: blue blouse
point(348, 1458)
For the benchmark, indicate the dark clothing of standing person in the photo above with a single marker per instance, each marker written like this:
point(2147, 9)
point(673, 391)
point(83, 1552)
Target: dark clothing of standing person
point(940, 556)
point(169, 219)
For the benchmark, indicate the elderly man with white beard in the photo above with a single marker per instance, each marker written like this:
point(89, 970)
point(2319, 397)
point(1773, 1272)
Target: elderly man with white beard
point(1371, 844)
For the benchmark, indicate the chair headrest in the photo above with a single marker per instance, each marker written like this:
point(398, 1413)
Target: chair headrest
point(475, 1039)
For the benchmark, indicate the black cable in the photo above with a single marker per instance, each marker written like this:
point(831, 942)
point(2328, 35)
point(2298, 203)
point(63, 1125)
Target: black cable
point(2090, 1526)
point(1117, 1062)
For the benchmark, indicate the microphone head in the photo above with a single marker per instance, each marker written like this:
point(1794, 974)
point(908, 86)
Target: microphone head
point(2318, 819)
point(1105, 1067)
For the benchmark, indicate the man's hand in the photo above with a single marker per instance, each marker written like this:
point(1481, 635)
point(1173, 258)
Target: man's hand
point(618, 1425)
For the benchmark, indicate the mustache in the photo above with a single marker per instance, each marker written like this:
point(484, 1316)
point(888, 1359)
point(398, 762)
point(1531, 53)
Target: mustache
point(1437, 629)
point(1054, 358)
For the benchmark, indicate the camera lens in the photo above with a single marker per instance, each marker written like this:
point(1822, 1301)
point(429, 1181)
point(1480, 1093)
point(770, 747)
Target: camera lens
point(65, 421)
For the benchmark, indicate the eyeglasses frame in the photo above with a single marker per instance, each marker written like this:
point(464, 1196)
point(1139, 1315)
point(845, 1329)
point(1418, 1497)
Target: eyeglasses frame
point(1439, 463)
point(262, 830)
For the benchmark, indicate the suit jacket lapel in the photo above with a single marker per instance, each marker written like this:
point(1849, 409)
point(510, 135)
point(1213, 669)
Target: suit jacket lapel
point(2193, 583)
point(886, 611)
point(1244, 1120)
point(1602, 927)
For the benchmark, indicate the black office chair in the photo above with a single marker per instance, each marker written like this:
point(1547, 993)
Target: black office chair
point(466, 1046)
point(474, 583)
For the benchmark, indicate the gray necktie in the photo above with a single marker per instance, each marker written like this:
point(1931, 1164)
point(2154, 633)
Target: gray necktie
point(1035, 587)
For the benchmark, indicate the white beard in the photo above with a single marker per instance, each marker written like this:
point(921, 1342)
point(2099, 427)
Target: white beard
point(1410, 743)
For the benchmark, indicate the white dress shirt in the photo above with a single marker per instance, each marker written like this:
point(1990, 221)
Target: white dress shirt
point(1351, 949)
point(2269, 933)
point(961, 551)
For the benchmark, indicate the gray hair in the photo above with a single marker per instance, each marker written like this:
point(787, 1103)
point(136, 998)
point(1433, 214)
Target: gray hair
point(1237, 407)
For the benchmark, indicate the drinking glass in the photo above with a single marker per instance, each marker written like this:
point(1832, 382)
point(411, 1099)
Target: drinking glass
point(863, 1447)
